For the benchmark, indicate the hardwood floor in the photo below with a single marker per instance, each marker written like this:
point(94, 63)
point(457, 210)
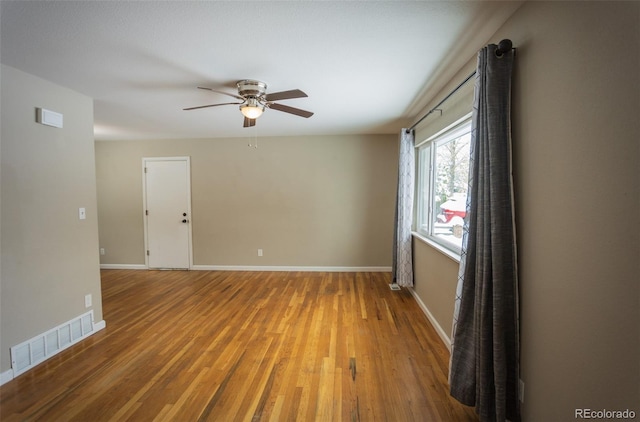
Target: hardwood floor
point(245, 346)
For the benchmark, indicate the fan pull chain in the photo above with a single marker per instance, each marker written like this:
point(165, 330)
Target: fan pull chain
point(255, 137)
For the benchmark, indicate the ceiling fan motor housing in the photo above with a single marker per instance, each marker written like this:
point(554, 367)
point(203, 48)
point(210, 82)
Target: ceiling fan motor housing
point(251, 88)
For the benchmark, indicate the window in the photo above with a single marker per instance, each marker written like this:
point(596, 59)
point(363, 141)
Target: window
point(443, 174)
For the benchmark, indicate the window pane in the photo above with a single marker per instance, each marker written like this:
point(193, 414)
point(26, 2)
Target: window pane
point(424, 198)
point(450, 190)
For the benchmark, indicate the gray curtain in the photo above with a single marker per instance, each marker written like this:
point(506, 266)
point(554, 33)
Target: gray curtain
point(484, 369)
point(402, 269)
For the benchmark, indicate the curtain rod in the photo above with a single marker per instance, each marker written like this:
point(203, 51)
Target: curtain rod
point(504, 46)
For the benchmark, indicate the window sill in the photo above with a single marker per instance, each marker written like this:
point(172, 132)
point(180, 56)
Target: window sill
point(447, 252)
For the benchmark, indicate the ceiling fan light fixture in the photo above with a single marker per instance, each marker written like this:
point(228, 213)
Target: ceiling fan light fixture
point(252, 109)
point(254, 100)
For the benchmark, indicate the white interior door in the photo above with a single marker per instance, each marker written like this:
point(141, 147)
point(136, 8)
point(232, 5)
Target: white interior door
point(168, 212)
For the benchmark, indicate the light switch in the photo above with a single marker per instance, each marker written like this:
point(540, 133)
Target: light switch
point(82, 213)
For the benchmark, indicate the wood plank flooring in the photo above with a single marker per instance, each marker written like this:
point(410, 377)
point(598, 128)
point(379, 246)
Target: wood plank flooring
point(245, 346)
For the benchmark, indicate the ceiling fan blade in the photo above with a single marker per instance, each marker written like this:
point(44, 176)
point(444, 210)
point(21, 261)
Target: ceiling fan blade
point(292, 110)
point(221, 92)
point(249, 122)
point(285, 95)
point(210, 105)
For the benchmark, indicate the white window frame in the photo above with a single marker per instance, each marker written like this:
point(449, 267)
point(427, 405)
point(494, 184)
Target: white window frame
point(426, 179)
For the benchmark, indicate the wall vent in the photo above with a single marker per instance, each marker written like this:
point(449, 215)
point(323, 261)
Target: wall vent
point(28, 354)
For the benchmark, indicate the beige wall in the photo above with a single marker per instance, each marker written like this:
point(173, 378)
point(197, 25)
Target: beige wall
point(576, 103)
point(49, 258)
point(320, 201)
point(435, 278)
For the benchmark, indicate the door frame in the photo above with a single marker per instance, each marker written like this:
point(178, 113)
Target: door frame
point(145, 160)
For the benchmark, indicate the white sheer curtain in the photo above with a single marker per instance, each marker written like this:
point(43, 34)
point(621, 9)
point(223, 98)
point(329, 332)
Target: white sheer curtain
point(484, 368)
point(402, 251)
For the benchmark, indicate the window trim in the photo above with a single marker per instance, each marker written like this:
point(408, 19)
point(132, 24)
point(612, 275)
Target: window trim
point(458, 124)
point(449, 253)
point(426, 147)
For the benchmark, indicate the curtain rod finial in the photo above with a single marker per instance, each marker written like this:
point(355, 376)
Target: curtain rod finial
point(504, 46)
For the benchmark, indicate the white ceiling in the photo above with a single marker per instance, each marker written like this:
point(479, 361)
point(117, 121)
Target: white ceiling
point(367, 66)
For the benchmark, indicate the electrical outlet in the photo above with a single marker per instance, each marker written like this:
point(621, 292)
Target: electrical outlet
point(259, 252)
point(87, 301)
point(102, 251)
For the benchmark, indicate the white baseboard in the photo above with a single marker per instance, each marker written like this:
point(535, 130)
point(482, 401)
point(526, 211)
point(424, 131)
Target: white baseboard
point(288, 268)
point(6, 376)
point(255, 268)
point(123, 267)
point(441, 333)
point(100, 325)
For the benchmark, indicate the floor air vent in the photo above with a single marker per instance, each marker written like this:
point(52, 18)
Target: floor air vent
point(26, 355)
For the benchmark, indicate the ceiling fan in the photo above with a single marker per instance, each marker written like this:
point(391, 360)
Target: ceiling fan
point(254, 99)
